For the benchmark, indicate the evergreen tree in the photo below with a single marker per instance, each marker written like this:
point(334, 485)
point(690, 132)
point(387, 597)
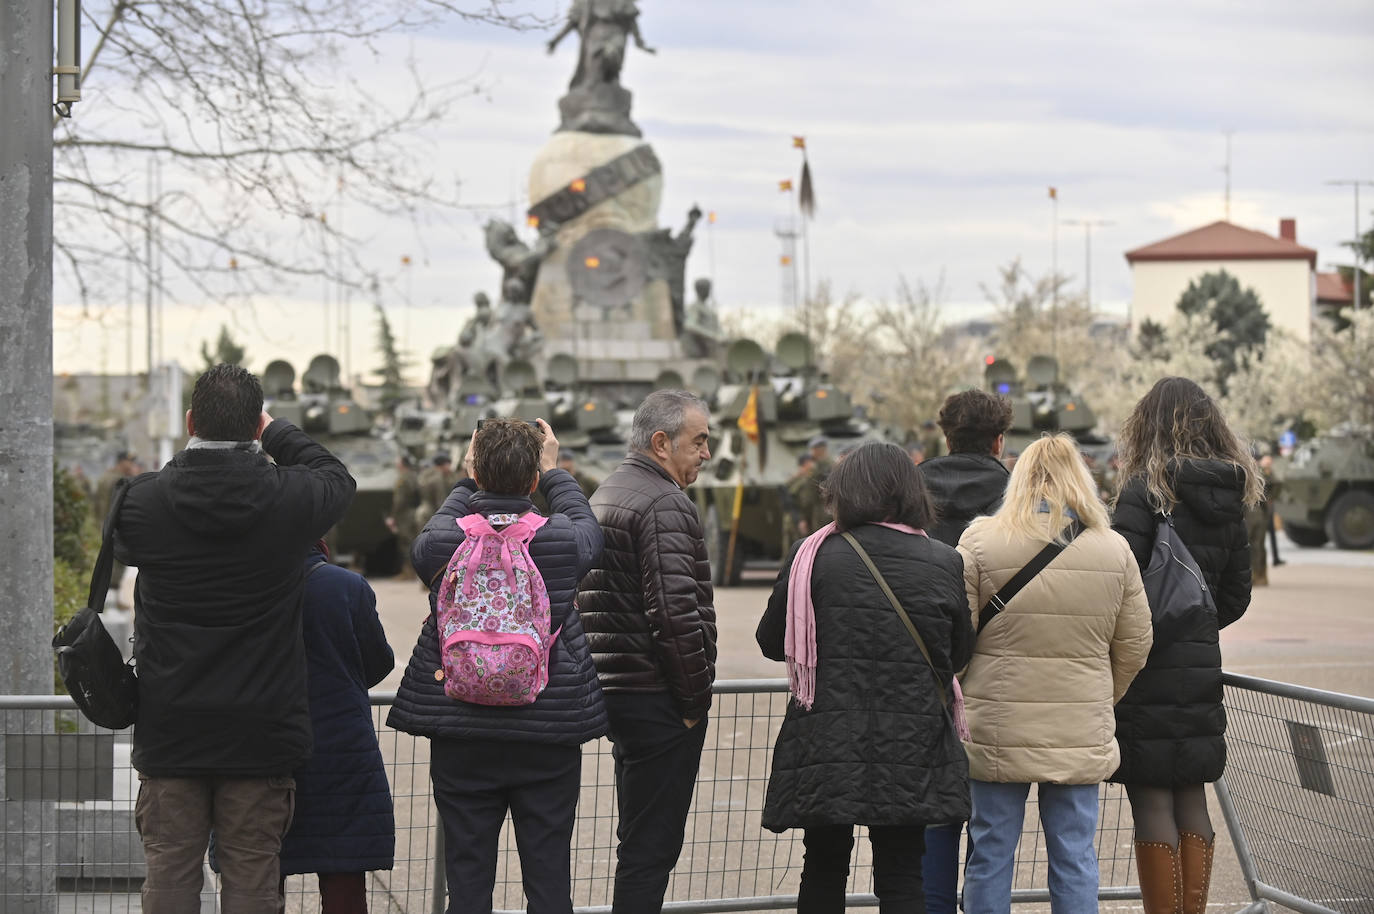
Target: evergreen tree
point(1235, 313)
point(227, 350)
point(392, 370)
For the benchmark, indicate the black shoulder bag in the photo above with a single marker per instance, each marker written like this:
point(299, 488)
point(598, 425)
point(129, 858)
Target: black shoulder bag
point(92, 667)
point(1023, 577)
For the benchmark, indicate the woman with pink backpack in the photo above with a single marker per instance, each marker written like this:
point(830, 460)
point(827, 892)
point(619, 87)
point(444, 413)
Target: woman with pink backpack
point(501, 679)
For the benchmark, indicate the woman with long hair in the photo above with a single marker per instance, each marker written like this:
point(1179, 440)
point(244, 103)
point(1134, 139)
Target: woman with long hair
point(1180, 459)
point(868, 739)
point(1046, 669)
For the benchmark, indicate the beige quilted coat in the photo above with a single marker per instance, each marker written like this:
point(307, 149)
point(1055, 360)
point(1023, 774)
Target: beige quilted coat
point(1046, 671)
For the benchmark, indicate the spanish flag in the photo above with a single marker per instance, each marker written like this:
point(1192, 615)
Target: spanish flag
point(785, 186)
point(748, 421)
point(1054, 193)
point(799, 142)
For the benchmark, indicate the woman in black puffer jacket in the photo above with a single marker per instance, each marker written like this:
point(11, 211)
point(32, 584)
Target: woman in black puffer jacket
point(484, 758)
point(866, 739)
point(1178, 456)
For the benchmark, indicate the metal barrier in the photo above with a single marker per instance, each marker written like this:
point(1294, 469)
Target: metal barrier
point(1298, 798)
point(1298, 795)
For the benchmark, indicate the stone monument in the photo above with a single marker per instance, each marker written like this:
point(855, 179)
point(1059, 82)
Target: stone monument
point(609, 288)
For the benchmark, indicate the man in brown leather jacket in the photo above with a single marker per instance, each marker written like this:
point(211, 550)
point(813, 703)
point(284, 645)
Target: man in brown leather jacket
point(648, 613)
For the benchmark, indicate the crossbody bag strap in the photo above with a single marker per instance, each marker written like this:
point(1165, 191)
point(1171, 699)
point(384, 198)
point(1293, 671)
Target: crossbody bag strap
point(901, 613)
point(999, 600)
point(104, 563)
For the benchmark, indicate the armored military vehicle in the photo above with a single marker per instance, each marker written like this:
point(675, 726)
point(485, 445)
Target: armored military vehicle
point(794, 403)
point(324, 409)
point(1041, 404)
point(1326, 491)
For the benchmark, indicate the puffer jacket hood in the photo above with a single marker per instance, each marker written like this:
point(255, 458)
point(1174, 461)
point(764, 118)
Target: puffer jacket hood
point(221, 494)
point(963, 486)
point(1211, 489)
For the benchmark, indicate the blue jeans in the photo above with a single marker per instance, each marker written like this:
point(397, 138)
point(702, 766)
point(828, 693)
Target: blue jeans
point(1068, 814)
point(940, 868)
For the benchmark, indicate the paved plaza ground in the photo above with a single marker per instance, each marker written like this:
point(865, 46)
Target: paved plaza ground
point(1313, 625)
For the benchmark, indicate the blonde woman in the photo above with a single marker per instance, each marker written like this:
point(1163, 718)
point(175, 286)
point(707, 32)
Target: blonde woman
point(1045, 672)
point(1179, 457)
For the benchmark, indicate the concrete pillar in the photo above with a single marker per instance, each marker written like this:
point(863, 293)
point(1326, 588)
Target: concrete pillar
point(26, 58)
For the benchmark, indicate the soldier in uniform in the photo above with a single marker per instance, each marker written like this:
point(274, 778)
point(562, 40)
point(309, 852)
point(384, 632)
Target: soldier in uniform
point(125, 466)
point(405, 498)
point(809, 501)
point(567, 460)
point(794, 499)
point(436, 482)
point(932, 442)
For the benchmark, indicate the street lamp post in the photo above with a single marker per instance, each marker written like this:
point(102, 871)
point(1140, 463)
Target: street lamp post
point(1354, 184)
point(1088, 226)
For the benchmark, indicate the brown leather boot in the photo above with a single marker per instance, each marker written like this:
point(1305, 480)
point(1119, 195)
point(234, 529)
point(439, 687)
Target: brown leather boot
point(1161, 885)
point(1195, 868)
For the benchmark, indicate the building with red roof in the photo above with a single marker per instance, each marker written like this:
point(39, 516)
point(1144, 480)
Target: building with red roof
point(1281, 271)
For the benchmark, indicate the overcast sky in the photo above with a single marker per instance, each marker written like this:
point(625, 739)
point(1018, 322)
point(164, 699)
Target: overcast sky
point(934, 130)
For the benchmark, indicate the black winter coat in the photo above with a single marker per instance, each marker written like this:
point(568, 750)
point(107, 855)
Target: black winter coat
point(220, 538)
point(1171, 724)
point(570, 710)
point(343, 819)
point(648, 605)
point(963, 486)
point(876, 748)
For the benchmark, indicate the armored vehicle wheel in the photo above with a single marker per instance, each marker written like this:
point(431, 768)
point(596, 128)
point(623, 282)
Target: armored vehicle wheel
point(717, 542)
point(1305, 536)
point(1350, 520)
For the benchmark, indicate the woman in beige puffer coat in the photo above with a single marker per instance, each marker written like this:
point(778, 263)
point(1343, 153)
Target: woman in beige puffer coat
point(1045, 673)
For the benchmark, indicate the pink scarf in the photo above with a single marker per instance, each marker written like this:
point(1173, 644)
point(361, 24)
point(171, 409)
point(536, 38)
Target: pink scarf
point(799, 639)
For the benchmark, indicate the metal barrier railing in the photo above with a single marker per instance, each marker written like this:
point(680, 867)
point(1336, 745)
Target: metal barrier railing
point(1300, 809)
point(1298, 795)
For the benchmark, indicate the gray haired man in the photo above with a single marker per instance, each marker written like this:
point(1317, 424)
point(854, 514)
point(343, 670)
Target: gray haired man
point(647, 608)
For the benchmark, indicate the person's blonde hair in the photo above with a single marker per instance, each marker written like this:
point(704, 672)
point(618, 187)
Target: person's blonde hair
point(1050, 472)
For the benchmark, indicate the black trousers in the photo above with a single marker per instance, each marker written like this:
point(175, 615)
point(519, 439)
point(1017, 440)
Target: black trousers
point(656, 760)
point(475, 782)
point(897, 851)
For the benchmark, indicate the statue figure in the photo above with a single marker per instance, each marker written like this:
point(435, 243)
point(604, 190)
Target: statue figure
point(518, 335)
point(603, 26)
point(596, 102)
point(668, 261)
point(517, 259)
point(701, 330)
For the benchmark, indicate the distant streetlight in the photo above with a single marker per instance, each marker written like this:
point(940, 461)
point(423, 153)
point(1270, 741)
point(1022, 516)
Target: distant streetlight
point(1088, 226)
point(1355, 184)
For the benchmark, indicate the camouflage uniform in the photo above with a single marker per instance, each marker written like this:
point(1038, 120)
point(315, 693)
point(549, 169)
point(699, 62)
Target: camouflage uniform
point(405, 498)
point(808, 495)
point(436, 482)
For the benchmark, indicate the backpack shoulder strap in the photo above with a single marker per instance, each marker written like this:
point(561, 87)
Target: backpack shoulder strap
point(999, 600)
point(526, 527)
point(474, 525)
point(104, 562)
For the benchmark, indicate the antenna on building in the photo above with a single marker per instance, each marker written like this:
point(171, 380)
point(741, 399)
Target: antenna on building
point(1227, 168)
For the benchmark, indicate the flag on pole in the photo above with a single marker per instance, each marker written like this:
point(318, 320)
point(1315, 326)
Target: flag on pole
point(785, 186)
point(806, 198)
point(1054, 193)
point(711, 218)
point(748, 421)
point(799, 142)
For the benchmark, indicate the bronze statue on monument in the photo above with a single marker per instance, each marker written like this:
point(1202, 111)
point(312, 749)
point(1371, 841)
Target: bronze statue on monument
point(596, 102)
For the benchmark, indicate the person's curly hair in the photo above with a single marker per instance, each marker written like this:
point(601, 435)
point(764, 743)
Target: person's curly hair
point(505, 456)
point(972, 420)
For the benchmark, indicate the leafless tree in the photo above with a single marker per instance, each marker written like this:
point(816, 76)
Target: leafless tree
point(228, 129)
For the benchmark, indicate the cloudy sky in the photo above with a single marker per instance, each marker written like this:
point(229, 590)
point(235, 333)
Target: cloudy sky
point(934, 129)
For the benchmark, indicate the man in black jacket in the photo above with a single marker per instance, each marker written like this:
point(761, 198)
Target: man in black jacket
point(648, 612)
point(968, 482)
point(220, 536)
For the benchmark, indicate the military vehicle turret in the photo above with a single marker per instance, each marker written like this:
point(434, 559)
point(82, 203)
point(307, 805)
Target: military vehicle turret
point(324, 408)
point(1326, 491)
point(794, 402)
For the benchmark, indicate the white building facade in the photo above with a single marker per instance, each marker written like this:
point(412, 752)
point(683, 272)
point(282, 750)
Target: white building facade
point(1279, 270)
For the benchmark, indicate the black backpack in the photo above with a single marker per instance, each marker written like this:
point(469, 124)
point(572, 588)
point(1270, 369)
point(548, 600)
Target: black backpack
point(1174, 585)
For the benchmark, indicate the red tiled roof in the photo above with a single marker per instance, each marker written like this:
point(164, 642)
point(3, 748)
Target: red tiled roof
point(1331, 288)
point(1223, 241)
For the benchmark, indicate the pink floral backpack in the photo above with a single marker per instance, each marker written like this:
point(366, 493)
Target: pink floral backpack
point(493, 614)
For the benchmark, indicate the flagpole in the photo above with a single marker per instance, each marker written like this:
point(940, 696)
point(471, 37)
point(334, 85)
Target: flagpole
point(1054, 273)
